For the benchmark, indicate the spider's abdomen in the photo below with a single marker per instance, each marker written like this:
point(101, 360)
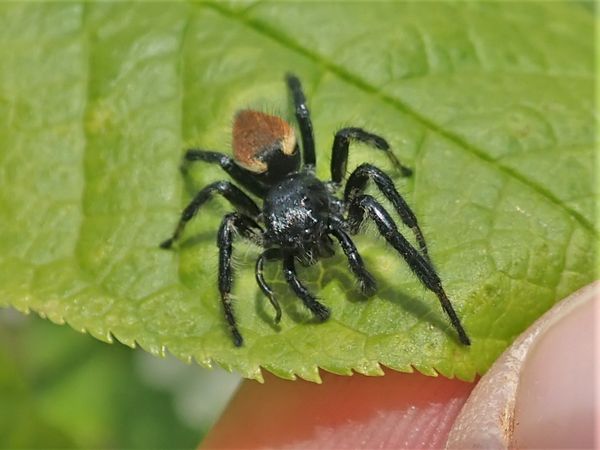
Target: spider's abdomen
point(265, 145)
point(296, 213)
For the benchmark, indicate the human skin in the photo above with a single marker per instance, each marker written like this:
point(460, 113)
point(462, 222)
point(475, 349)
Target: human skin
point(342, 412)
point(540, 393)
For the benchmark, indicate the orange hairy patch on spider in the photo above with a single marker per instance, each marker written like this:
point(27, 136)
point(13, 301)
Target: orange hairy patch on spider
point(256, 135)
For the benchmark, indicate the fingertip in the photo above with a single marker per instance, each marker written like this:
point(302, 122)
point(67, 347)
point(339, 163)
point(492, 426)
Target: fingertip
point(555, 401)
point(540, 392)
point(398, 410)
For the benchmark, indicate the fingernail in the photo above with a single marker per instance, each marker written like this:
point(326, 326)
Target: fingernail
point(555, 397)
point(540, 392)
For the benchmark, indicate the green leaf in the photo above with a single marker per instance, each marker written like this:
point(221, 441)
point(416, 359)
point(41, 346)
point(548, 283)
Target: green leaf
point(491, 104)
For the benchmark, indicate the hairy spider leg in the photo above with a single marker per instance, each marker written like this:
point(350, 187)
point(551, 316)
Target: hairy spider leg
point(320, 311)
point(228, 190)
point(357, 184)
point(341, 143)
point(303, 118)
point(233, 224)
point(243, 176)
point(270, 254)
point(367, 283)
point(364, 206)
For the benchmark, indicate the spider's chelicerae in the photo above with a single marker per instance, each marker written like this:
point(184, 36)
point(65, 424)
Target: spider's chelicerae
point(300, 213)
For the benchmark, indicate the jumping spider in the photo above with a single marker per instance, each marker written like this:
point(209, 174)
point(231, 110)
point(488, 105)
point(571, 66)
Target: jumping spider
point(300, 213)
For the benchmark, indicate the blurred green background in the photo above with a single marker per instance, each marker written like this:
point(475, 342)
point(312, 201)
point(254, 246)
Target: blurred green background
point(62, 389)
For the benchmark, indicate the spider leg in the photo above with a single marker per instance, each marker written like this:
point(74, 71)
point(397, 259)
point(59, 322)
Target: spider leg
point(364, 206)
point(228, 190)
point(289, 270)
point(357, 183)
point(341, 142)
point(269, 255)
point(367, 283)
point(233, 224)
point(243, 176)
point(303, 118)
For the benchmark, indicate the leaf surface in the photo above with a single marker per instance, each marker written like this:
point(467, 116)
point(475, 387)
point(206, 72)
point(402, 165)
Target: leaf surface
point(491, 104)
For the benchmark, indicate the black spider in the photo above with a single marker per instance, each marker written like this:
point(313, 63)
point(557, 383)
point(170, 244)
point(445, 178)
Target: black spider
point(299, 212)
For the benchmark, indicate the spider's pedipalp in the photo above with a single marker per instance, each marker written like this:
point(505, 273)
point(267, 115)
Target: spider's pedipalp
point(320, 311)
point(269, 255)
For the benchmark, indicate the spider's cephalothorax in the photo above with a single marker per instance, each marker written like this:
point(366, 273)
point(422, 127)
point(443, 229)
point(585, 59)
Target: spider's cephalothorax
point(301, 214)
point(296, 213)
